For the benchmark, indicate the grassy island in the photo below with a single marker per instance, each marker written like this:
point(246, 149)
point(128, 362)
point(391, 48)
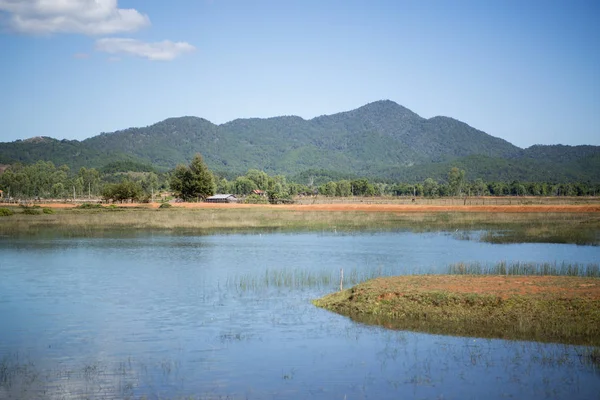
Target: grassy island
point(564, 309)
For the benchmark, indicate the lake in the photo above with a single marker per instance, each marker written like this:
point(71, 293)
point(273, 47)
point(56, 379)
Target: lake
point(156, 315)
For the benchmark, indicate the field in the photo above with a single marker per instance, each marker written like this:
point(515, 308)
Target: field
point(551, 222)
point(563, 309)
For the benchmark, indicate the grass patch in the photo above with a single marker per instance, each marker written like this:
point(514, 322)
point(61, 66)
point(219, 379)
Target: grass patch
point(6, 212)
point(497, 227)
point(525, 268)
point(35, 210)
point(563, 309)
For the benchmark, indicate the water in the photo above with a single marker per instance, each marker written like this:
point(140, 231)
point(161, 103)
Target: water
point(167, 316)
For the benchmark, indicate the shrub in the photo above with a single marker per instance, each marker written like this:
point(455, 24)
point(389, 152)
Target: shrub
point(32, 210)
point(165, 205)
point(47, 211)
point(256, 199)
point(5, 212)
point(89, 206)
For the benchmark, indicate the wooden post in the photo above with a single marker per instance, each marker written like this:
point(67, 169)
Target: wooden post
point(341, 279)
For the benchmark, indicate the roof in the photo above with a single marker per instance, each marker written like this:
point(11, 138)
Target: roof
point(220, 196)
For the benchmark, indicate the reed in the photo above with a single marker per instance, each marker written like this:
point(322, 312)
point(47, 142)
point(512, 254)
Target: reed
point(591, 270)
point(578, 228)
point(305, 278)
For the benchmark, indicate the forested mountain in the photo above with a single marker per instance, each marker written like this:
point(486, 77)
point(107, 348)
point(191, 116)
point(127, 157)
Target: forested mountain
point(381, 139)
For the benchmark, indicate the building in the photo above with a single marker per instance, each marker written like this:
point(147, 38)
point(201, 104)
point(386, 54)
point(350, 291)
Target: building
point(222, 198)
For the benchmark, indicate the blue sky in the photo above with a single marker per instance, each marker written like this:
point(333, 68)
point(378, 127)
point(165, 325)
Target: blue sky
point(525, 71)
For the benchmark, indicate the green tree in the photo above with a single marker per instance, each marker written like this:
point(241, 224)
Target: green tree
point(456, 179)
point(124, 191)
point(260, 178)
point(243, 186)
point(479, 187)
point(430, 188)
point(224, 187)
point(194, 182)
point(343, 189)
point(328, 189)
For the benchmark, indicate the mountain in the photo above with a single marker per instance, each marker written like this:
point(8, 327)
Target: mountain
point(381, 139)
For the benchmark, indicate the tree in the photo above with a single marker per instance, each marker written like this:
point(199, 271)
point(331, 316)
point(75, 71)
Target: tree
point(328, 189)
point(456, 179)
point(124, 191)
point(260, 178)
point(243, 186)
point(343, 189)
point(479, 186)
point(430, 188)
point(193, 182)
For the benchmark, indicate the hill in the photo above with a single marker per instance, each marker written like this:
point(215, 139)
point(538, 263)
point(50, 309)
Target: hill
point(381, 139)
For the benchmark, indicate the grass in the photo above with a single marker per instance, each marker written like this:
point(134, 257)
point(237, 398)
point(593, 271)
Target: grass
point(329, 279)
point(576, 228)
point(302, 278)
point(525, 268)
point(564, 309)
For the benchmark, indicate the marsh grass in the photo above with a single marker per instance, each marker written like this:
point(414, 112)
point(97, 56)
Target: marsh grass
point(299, 279)
point(591, 270)
point(577, 228)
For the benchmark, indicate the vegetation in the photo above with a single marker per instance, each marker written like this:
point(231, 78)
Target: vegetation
point(380, 141)
point(553, 309)
point(526, 269)
point(578, 228)
point(43, 180)
point(193, 182)
point(31, 210)
point(6, 212)
point(124, 191)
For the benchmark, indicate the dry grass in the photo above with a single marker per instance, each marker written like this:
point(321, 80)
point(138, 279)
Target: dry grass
point(503, 227)
point(542, 308)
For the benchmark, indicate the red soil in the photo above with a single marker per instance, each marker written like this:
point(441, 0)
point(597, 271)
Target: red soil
point(503, 286)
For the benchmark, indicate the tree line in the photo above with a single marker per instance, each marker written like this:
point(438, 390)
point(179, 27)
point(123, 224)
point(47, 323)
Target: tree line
point(195, 182)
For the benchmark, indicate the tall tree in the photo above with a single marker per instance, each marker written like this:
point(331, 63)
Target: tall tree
point(194, 182)
point(456, 179)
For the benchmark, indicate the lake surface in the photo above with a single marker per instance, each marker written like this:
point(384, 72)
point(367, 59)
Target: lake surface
point(229, 316)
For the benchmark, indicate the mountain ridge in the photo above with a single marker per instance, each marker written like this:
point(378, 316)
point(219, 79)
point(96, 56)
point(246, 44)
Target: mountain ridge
point(380, 139)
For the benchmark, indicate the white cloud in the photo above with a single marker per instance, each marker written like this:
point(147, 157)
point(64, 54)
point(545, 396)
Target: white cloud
point(89, 17)
point(157, 51)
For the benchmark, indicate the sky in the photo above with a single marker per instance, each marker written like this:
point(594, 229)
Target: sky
point(525, 71)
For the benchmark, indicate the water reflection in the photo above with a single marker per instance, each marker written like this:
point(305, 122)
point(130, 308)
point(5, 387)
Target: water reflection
point(164, 316)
